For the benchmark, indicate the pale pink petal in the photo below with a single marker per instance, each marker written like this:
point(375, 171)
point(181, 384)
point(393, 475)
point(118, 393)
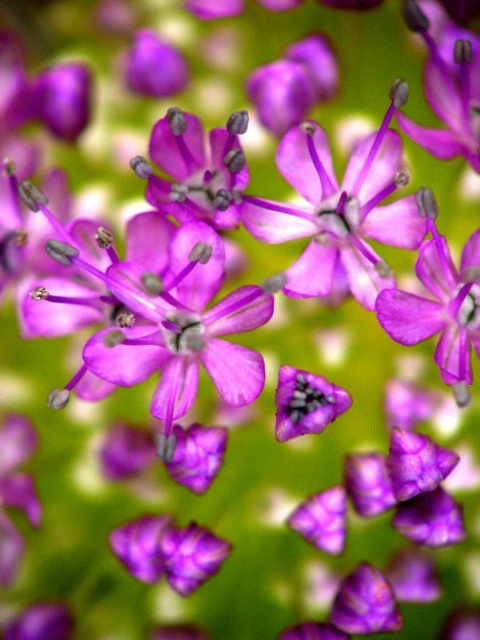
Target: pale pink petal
point(237, 372)
point(245, 318)
point(11, 550)
point(398, 224)
point(442, 143)
point(17, 490)
point(179, 377)
point(148, 235)
point(18, 440)
point(312, 274)
point(448, 355)
point(430, 271)
point(92, 388)
point(442, 94)
point(275, 227)
point(470, 256)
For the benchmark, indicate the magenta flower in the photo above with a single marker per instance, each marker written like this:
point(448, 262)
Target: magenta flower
point(463, 624)
point(205, 178)
point(412, 576)
point(463, 11)
point(339, 217)
point(312, 631)
point(155, 68)
point(365, 603)
point(306, 403)
point(452, 87)
point(407, 404)
point(41, 621)
point(178, 632)
point(433, 519)
point(213, 9)
point(126, 452)
point(321, 520)
point(18, 440)
point(416, 464)
point(368, 483)
point(453, 311)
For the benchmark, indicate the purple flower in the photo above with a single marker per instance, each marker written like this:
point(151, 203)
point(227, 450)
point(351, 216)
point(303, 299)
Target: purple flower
point(204, 178)
point(365, 603)
point(41, 621)
point(407, 404)
point(280, 5)
point(178, 632)
point(198, 456)
point(18, 441)
point(368, 484)
point(412, 576)
point(316, 54)
point(416, 464)
point(312, 631)
point(463, 624)
point(306, 403)
point(63, 94)
point(338, 218)
point(212, 9)
point(321, 520)
point(155, 68)
point(351, 4)
point(433, 519)
point(409, 319)
point(463, 11)
point(126, 451)
point(452, 87)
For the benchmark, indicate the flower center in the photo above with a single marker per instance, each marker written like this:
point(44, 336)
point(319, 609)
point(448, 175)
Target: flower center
point(339, 215)
point(469, 313)
point(305, 399)
point(184, 334)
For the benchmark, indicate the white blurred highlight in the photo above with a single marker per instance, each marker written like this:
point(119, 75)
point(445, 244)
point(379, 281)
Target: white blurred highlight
point(275, 506)
point(332, 345)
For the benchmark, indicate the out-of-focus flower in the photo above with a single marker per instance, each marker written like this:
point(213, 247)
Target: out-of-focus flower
point(41, 621)
point(412, 575)
point(154, 67)
point(463, 11)
point(351, 4)
point(365, 603)
point(306, 403)
point(407, 404)
point(321, 520)
point(463, 624)
point(178, 632)
point(126, 451)
point(18, 440)
point(368, 483)
point(213, 9)
point(312, 631)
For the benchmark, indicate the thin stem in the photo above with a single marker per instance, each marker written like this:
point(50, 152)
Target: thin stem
point(462, 354)
point(456, 303)
point(13, 186)
point(172, 395)
point(328, 188)
point(171, 326)
point(364, 250)
point(280, 208)
point(151, 340)
point(447, 268)
point(181, 276)
point(77, 377)
point(465, 91)
point(87, 302)
point(186, 154)
point(113, 255)
point(340, 209)
point(235, 306)
point(373, 202)
point(55, 223)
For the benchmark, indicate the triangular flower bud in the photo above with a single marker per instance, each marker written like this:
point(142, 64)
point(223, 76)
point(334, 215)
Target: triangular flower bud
point(321, 520)
point(416, 464)
point(412, 576)
point(368, 484)
point(306, 403)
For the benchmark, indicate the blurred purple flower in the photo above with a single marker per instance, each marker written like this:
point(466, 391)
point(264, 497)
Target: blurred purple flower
point(178, 632)
point(126, 451)
point(463, 624)
point(41, 621)
point(416, 464)
point(412, 575)
point(312, 631)
point(365, 603)
point(406, 404)
point(306, 403)
point(433, 519)
point(213, 9)
point(321, 520)
point(463, 11)
point(368, 484)
point(351, 4)
point(155, 68)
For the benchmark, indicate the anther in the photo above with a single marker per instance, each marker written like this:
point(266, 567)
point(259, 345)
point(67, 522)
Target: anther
point(462, 394)
point(471, 274)
point(237, 123)
point(234, 160)
point(61, 251)
point(462, 51)
point(274, 283)
point(104, 238)
point(152, 283)
point(166, 447)
point(126, 320)
point(414, 17)
point(39, 293)
point(141, 167)
point(178, 122)
point(58, 399)
point(427, 205)
point(222, 200)
point(113, 337)
point(31, 195)
point(402, 178)
point(201, 252)
point(382, 268)
point(399, 93)
point(309, 128)
point(9, 166)
point(178, 192)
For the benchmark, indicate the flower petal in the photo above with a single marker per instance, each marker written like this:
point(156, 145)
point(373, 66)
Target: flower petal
point(180, 376)
point(18, 440)
point(11, 550)
point(91, 388)
point(312, 274)
point(17, 490)
point(241, 317)
point(398, 224)
point(275, 227)
point(429, 270)
point(449, 354)
point(148, 236)
point(470, 256)
point(441, 143)
point(442, 94)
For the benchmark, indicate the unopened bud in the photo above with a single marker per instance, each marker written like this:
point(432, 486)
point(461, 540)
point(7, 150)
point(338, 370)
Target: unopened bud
point(222, 200)
point(31, 195)
point(58, 399)
point(274, 283)
point(308, 127)
point(427, 205)
point(178, 122)
point(402, 178)
point(104, 238)
point(152, 283)
point(61, 251)
point(113, 337)
point(141, 167)
point(126, 320)
point(462, 394)
point(201, 252)
point(462, 51)
point(382, 268)
point(414, 17)
point(234, 160)
point(399, 93)
point(178, 192)
point(166, 447)
point(39, 293)
point(237, 123)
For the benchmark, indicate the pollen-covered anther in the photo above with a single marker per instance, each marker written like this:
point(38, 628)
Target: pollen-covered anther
point(126, 320)
point(39, 293)
point(141, 167)
point(166, 447)
point(414, 17)
point(399, 93)
point(202, 252)
point(462, 394)
point(178, 122)
point(31, 195)
point(178, 192)
point(309, 128)
point(402, 178)
point(104, 238)
point(58, 399)
point(113, 337)
point(274, 283)
point(237, 123)
point(462, 51)
point(152, 283)
point(61, 251)
point(234, 160)
point(382, 268)
point(222, 200)
point(427, 204)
